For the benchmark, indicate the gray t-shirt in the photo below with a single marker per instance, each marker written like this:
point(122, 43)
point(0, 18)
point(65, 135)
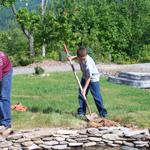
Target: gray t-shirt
point(89, 69)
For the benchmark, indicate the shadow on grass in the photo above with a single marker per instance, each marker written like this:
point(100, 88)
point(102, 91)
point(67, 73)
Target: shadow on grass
point(49, 110)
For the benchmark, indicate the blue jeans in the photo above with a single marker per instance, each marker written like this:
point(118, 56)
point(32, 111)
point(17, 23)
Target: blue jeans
point(95, 91)
point(5, 104)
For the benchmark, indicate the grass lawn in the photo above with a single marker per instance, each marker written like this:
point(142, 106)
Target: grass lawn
point(52, 102)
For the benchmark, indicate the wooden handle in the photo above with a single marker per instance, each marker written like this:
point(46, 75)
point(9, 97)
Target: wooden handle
point(66, 50)
point(78, 81)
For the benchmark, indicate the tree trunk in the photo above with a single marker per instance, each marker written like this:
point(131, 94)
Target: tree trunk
point(27, 34)
point(43, 9)
point(44, 50)
point(31, 45)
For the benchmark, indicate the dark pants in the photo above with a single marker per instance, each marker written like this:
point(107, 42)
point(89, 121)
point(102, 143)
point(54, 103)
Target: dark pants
point(95, 91)
point(5, 104)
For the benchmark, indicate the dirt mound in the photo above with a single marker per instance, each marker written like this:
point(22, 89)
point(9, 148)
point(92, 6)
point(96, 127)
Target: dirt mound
point(101, 122)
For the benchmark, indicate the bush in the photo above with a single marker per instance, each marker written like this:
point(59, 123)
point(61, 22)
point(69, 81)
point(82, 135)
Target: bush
point(24, 61)
point(121, 58)
point(38, 70)
point(14, 61)
point(54, 55)
point(145, 54)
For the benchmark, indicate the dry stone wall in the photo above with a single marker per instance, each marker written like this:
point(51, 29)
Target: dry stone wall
point(59, 139)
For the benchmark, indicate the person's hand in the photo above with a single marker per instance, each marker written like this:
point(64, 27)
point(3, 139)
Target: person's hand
point(83, 91)
point(69, 58)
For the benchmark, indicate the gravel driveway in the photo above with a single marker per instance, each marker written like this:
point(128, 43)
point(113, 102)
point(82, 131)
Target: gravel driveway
point(56, 66)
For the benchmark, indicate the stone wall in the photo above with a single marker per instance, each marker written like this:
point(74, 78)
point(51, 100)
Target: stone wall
point(56, 139)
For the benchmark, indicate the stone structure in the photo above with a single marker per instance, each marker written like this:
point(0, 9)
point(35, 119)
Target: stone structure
point(136, 79)
point(63, 139)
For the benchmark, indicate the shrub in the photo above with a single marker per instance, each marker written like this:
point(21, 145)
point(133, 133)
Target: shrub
point(54, 55)
point(38, 70)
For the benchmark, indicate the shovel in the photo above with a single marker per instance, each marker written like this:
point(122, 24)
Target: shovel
point(91, 115)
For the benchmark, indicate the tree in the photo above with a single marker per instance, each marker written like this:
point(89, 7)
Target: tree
point(28, 21)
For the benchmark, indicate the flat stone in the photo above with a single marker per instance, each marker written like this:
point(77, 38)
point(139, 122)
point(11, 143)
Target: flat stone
point(5, 149)
point(5, 144)
point(92, 130)
point(63, 142)
point(140, 142)
point(141, 145)
point(35, 139)
point(71, 140)
point(45, 146)
point(38, 142)
point(95, 139)
point(113, 145)
point(134, 134)
point(27, 144)
point(62, 135)
point(59, 139)
point(73, 136)
point(117, 132)
point(118, 142)
point(82, 140)
point(67, 132)
point(134, 83)
point(75, 144)
point(128, 148)
point(82, 132)
point(82, 136)
point(16, 144)
point(59, 147)
point(15, 148)
point(147, 137)
point(103, 128)
point(2, 139)
point(97, 135)
point(32, 147)
point(47, 138)
point(128, 144)
point(105, 132)
point(128, 139)
point(135, 75)
point(111, 137)
point(22, 140)
point(50, 143)
point(107, 141)
point(89, 144)
point(14, 137)
point(37, 134)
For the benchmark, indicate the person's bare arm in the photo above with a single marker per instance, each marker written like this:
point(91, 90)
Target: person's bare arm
point(72, 57)
point(86, 86)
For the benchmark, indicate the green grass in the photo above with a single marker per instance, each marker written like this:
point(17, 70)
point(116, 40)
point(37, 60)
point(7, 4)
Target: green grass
point(53, 101)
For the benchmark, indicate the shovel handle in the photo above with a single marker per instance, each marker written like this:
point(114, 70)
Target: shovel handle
point(78, 81)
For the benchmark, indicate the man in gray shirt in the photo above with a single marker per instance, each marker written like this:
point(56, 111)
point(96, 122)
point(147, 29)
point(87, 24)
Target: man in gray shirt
point(90, 80)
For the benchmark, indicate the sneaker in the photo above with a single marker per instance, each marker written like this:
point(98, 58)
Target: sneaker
point(81, 116)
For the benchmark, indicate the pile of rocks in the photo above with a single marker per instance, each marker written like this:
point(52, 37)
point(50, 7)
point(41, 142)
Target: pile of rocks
point(135, 79)
point(56, 139)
